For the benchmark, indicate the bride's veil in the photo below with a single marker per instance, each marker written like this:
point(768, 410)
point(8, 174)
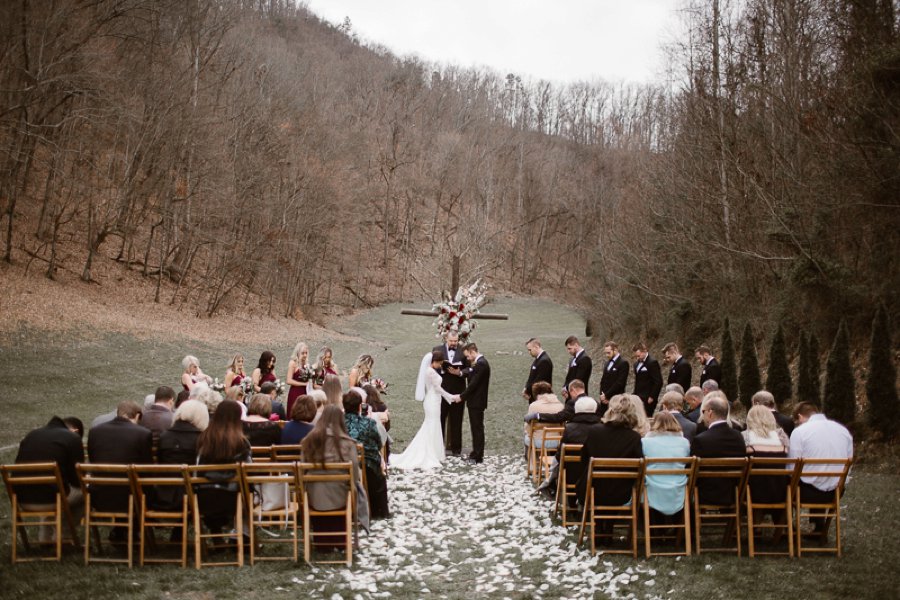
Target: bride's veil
point(420, 382)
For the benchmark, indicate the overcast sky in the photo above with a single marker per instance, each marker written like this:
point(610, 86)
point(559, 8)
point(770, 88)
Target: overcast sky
point(561, 40)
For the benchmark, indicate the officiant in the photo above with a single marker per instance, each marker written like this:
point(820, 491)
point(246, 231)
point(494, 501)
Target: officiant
point(453, 382)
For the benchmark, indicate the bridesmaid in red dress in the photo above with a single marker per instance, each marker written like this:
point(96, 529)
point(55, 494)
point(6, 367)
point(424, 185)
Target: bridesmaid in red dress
point(235, 372)
point(324, 366)
point(297, 374)
point(192, 374)
point(264, 371)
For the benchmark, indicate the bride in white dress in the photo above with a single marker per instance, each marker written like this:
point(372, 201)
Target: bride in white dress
point(426, 450)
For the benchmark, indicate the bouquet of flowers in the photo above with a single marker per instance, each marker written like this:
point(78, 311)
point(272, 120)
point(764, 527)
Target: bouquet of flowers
point(279, 387)
point(380, 385)
point(247, 387)
point(306, 373)
point(217, 386)
point(456, 314)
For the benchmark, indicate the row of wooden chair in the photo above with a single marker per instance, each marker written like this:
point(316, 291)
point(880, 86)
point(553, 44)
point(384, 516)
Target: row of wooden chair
point(740, 473)
point(142, 483)
point(543, 441)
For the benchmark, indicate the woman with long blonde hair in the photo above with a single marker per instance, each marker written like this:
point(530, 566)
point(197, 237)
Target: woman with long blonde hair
point(297, 374)
point(361, 373)
point(234, 373)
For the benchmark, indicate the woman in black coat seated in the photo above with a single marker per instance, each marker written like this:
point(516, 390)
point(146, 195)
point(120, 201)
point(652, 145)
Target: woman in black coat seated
point(178, 444)
point(257, 426)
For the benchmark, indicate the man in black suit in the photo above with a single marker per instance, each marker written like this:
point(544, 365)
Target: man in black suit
point(647, 377)
point(120, 442)
point(768, 400)
point(615, 376)
point(673, 403)
point(718, 441)
point(576, 391)
point(579, 367)
point(541, 368)
point(680, 371)
point(476, 398)
point(709, 365)
point(693, 397)
point(454, 382)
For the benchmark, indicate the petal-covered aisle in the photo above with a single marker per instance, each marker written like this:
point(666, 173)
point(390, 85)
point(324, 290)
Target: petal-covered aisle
point(476, 531)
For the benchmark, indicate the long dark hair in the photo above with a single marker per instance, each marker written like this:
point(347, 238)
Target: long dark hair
point(330, 425)
point(223, 441)
point(264, 359)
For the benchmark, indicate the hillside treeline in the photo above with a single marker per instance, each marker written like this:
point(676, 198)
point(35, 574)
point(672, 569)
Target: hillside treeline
point(247, 151)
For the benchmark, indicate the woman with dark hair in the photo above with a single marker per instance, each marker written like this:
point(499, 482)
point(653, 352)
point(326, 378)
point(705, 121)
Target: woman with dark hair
point(264, 371)
point(221, 443)
point(302, 415)
point(329, 442)
point(258, 428)
point(363, 429)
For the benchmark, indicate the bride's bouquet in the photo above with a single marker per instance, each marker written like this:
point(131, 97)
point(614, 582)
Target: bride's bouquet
point(457, 314)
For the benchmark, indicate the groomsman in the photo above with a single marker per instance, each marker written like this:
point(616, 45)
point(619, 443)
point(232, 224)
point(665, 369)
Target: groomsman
point(579, 367)
point(709, 364)
point(680, 371)
point(453, 382)
point(615, 376)
point(541, 368)
point(647, 377)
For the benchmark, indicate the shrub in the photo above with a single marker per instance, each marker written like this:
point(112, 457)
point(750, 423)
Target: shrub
point(881, 385)
point(778, 377)
point(840, 385)
point(750, 379)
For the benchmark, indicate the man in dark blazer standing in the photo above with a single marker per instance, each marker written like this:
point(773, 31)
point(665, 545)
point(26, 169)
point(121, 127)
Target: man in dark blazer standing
point(710, 367)
point(453, 381)
point(615, 376)
point(647, 377)
point(541, 368)
point(476, 398)
point(579, 367)
point(681, 371)
point(718, 441)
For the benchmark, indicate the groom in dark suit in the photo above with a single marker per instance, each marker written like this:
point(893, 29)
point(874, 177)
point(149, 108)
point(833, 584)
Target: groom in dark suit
point(454, 382)
point(476, 398)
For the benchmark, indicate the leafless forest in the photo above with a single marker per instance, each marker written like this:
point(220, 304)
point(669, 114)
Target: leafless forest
point(236, 151)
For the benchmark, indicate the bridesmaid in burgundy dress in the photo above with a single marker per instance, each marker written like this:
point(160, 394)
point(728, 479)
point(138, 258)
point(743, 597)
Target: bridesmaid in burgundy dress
point(192, 374)
point(235, 372)
point(297, 374)
point(324, 366)
point(264, 371)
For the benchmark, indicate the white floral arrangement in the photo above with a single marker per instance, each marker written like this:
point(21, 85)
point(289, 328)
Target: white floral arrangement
point(279, 387)
point(247, 386)
point(457, 314)
point(218, 386)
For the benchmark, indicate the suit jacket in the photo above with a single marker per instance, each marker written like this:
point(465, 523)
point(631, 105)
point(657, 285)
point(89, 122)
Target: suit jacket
point(157, 418)
point(51, 443)
point(720, 441)
point(785, 422)
point(119, 442)
point(614, 378)
point(580, 368)
point(541, 370)
point(688, 427)
point(711, 370)
point(607, 441)
point(680, 373)
point(453, 384)
point(647, 379)
point(476, 393)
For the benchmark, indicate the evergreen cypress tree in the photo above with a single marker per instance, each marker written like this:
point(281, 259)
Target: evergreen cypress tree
point(815, 371)
point(728, 362)
point(750, 379)
point(881, 386)
point(804, 385)
point(778, 377)
point(840, 385)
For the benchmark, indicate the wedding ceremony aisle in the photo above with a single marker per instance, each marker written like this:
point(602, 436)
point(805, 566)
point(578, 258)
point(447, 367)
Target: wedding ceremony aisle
point(465, 530)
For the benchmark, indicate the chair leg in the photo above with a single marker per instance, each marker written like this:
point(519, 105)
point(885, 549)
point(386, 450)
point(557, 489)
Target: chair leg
point(59, 529)
point(197, 532)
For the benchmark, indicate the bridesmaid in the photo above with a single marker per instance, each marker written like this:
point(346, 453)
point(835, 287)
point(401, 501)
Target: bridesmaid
point(361, 373)
point(264, 371)
point(192, 374)
point(324, 366)
point(235, 372)
point(297, 374)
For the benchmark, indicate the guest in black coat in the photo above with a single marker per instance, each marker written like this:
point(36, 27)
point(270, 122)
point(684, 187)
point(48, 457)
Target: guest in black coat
point(178, 446)
point(541, 368)
point(579, 367)
point(647, 377)
point(709, 365)
point(680, 371)
point(615, 376)
point(615, 437)
point(719, 441)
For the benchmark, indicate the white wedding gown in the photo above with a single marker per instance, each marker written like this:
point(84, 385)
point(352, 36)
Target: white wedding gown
point(426, 450)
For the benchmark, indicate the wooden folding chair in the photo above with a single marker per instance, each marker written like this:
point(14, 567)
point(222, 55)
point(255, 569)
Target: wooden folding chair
point(43, 476)
point(551, 438)
point(770, 475)
point(260, 454)
point(838, 468)
point(629, 469)
point(533, 451)
point(309, 474)
point(361, 454)
point(162, 493)
point(286, 453)
point(263, 483)
point(569, 457)
point(199, 477)
point(98, 480)
point(733, 472)
point(669, 467)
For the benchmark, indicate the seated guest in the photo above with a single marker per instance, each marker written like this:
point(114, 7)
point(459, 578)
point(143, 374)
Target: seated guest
point(575, 390)
point(665, 493)
point(159, 416)
point(235, 394)
point(178, 446)
point(815, 436)
point(257, 427)
point(718, 441)
point(59, 441)
point(643, 423)
point(766, 399)
point(673, 403)
point(222, 442)
point(379, 410)
point(302, 414)
point(207, 396)
point(693, 398)
point(674, 387)
point(576, 432)
point(333, 390)
point(329, 442)
point(320, 400)
point(182, 397)
point(703, 422)
point(765, 438)
point(613, 437)
point(545, 401)
point(269, 389)
point(363, 430)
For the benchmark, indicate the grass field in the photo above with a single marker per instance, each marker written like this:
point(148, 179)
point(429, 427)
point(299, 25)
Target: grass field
point(84, 373)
